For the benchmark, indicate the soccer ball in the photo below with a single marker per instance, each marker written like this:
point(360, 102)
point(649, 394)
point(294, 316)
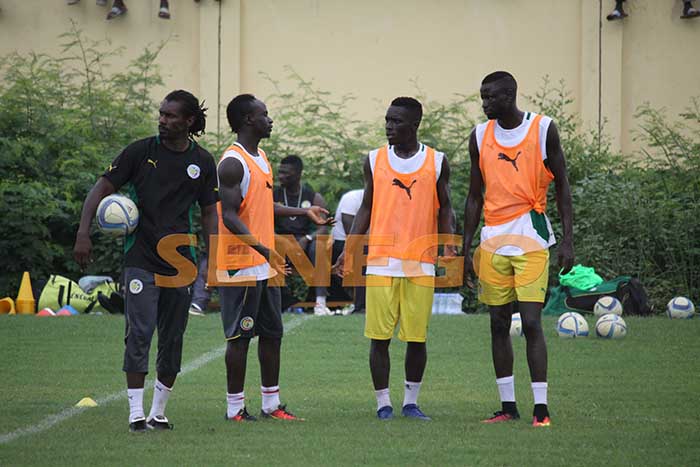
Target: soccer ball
point(516, 325)
point(606, 305)
point(680, 308)
point(117, 215)
point(611, 326)
point(572, 324)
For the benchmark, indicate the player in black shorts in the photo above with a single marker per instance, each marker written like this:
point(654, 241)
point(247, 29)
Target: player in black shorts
point(251, 307)
point(165, 175)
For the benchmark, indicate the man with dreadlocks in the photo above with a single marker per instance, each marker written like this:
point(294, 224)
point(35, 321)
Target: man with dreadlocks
point(166, 174)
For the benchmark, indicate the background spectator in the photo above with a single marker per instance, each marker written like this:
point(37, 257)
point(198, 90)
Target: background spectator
point(348, 206)
point(201, 295)
point(119, 9)
point(619, 11)
point(291, 192)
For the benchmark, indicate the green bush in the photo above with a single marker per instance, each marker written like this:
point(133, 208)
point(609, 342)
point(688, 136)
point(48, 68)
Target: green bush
point(63, 119)
point(634, 215)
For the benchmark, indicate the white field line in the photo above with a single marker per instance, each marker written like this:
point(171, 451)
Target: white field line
point(70, 412)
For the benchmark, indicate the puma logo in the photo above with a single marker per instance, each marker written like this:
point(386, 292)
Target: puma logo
point(154, 162)
point(503, 157)
point(399, 183)
point(267, 184)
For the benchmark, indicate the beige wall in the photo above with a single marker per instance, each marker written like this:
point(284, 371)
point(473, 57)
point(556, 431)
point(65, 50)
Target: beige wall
point(376, 49)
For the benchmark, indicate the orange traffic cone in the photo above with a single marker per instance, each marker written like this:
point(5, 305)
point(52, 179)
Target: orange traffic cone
point(25, 302)
point(7, 306)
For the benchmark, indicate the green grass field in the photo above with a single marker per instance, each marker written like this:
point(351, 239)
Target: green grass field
point(627, 402)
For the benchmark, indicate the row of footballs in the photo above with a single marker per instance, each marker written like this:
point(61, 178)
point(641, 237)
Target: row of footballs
point(610, 324)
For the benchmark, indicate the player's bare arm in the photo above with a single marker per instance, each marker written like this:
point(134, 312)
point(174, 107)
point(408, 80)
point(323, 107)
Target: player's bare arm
point(472, 208)
point(210, 225)
point(83, 245)
point(360, 224)
point(446, 215)
point(316, 214)
point(320, 202)
point(557, 165)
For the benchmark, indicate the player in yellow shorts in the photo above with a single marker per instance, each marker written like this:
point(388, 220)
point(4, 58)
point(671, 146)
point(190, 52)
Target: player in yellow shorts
point(515, 156)
point(404, 303)
point(527, 278)
point(403, 177)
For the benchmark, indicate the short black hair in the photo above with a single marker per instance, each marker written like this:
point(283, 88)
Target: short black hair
point(239, 107)
point(498, 76)
point(295, 161)
point(411, 104)
point(191, 107)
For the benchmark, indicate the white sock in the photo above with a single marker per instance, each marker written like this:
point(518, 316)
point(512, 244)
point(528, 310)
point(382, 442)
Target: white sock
point(539, 392)
point(135, 397)
point(383, 398)
point(320, 300)
point(161, 393)
point(234, 404)
point(506, 388)
point(270, 398)
point(410, 392)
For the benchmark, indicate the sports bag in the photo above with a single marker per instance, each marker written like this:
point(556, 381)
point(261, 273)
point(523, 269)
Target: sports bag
point(627, 289)
point(60, 291)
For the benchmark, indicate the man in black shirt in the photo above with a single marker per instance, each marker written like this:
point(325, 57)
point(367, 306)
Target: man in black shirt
point(291, 192)
point(166, 175)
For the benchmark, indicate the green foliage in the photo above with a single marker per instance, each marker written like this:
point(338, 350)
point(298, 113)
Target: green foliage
point(62, 121)
point(315, 126)
point(634, 216)
point(587, 152)
point(653, 229)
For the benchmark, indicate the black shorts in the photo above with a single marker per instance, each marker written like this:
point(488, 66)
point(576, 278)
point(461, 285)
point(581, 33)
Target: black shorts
point(147, 307)
point(251, 311)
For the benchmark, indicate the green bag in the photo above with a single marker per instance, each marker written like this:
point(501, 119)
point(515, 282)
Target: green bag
point(562, 298)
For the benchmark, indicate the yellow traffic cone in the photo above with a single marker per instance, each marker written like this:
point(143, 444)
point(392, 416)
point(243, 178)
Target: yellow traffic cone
point(25, 302)
point(7, 306)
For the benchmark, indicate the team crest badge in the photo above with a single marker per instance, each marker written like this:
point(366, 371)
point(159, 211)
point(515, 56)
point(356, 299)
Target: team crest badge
point(193, 171)
point(306, 204)
point(135, 286)
point(247, 323)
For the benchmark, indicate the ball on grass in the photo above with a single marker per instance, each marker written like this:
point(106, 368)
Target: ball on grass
point(611, 326)
point(606, 305)
point(572, 324)
point(680, 308)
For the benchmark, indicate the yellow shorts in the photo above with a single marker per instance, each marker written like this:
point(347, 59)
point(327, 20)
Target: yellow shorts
point(401, 302)
point(504, 279)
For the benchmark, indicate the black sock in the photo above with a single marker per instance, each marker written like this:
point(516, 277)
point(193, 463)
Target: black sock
point(540, 412)
point(509, 407)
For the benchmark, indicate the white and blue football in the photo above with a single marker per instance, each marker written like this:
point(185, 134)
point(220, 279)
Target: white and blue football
point(117, 215)
point(680, 308)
